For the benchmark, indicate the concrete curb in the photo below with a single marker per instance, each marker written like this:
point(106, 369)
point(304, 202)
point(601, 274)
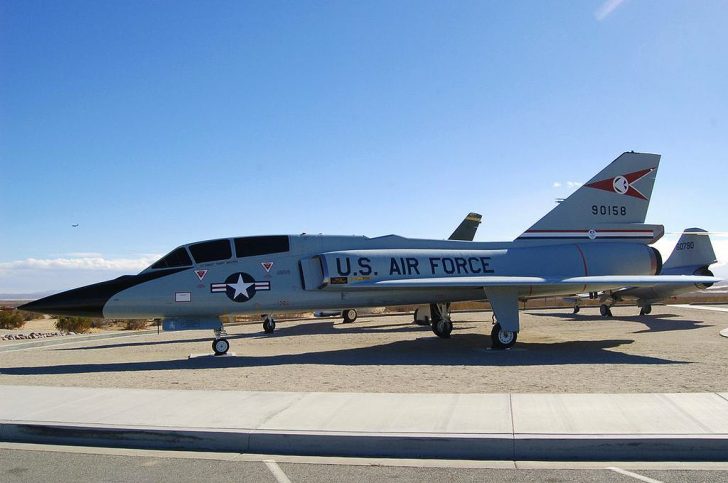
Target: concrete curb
point(556, 447)
point(724, 332)
point(596, 427)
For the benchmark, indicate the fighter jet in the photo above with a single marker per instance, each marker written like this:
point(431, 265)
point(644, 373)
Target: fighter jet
point(693, 254)
point(595, 240)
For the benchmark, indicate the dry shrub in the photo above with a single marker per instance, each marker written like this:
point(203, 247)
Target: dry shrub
point(136, 324)
point(11, 319)
point(78, 325)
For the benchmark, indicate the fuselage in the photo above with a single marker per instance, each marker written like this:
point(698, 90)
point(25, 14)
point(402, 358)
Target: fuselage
point(291, 273)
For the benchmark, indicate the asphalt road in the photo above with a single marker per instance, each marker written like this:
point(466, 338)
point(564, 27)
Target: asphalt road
point(41, 463)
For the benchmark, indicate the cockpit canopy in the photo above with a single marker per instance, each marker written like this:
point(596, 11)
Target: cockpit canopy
point(222, 249)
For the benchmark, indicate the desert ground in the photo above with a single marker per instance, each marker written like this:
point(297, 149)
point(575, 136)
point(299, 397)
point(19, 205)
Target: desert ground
point(675, 349)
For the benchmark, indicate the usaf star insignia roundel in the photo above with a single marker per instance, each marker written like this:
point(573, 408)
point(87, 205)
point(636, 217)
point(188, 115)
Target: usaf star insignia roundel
point(239, 287)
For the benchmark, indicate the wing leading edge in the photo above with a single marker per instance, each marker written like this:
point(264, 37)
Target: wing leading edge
point(507, 281)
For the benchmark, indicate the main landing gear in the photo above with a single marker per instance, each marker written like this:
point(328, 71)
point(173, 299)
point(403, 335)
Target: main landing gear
point(646, 309)
point(605, 310)
point(502, 339)
point(269, 324)
point(220, 345)
point(349, 315)
point(441, 323)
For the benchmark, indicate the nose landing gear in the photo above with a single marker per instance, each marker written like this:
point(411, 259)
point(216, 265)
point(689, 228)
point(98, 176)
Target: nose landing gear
point(269, 324)
point(220, 346)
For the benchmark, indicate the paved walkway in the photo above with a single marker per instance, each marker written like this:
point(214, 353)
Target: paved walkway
point(477, 426)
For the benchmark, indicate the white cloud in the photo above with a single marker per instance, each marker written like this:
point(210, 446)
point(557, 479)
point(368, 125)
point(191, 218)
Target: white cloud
point(80, 263)
point(61, 273)
point(82, 255)
point(607, 8)
point(572, 185)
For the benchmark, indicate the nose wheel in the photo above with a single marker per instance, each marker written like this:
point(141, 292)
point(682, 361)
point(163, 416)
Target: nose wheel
point(220, 346)
point(269, 325)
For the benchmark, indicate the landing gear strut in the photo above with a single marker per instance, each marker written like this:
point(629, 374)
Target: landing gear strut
point(220, 345)
point(441, 323)
point(269, 324)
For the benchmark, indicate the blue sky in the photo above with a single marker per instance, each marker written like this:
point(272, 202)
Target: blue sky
point(152, 124)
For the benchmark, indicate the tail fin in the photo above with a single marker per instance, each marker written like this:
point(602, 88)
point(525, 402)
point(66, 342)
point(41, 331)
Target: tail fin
point(611, 206)
point(467, 228)
point(692, 251)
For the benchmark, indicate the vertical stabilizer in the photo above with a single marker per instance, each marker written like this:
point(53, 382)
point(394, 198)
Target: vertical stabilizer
point(467, 228)
point(611, 206)
point(693, 250)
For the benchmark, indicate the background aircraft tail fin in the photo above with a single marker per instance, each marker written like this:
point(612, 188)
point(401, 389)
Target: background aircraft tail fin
point(467, 228)
point(611, 206)
point(692, 251)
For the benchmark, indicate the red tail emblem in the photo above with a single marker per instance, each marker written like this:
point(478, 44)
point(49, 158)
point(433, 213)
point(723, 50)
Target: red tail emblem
point(623, 184)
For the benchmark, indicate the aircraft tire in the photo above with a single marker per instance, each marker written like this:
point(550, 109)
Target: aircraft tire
point(576, 309)
point(349, 315)
point(269, 326)
point(605, 311)
point(442, 328)
point(220, 346)
point(502, 339)
point(646, 310)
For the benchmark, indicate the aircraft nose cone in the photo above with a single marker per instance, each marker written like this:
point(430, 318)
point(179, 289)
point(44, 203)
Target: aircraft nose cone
point(86, 301)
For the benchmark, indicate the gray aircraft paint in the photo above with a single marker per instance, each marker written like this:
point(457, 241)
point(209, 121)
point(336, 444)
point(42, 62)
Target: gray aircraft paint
point(692, 255)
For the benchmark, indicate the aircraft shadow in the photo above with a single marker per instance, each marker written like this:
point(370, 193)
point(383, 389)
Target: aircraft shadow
point(296, 330)
point(461, 349)
point(654, 323)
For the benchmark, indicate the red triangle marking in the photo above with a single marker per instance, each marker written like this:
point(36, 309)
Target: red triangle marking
point(200, 274)
point(607, 184)
point(267, 266)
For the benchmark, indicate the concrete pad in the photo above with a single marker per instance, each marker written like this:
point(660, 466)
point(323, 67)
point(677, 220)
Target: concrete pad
point(211, 355)
point(724, 332)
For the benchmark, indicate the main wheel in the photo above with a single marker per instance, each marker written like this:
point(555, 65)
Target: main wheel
point(502, 339)
point(220, 346)
point(646, 310)
point(576, 309)
point(269, 326)
point(349, 315)
point(605, 311)
point(442, 328)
